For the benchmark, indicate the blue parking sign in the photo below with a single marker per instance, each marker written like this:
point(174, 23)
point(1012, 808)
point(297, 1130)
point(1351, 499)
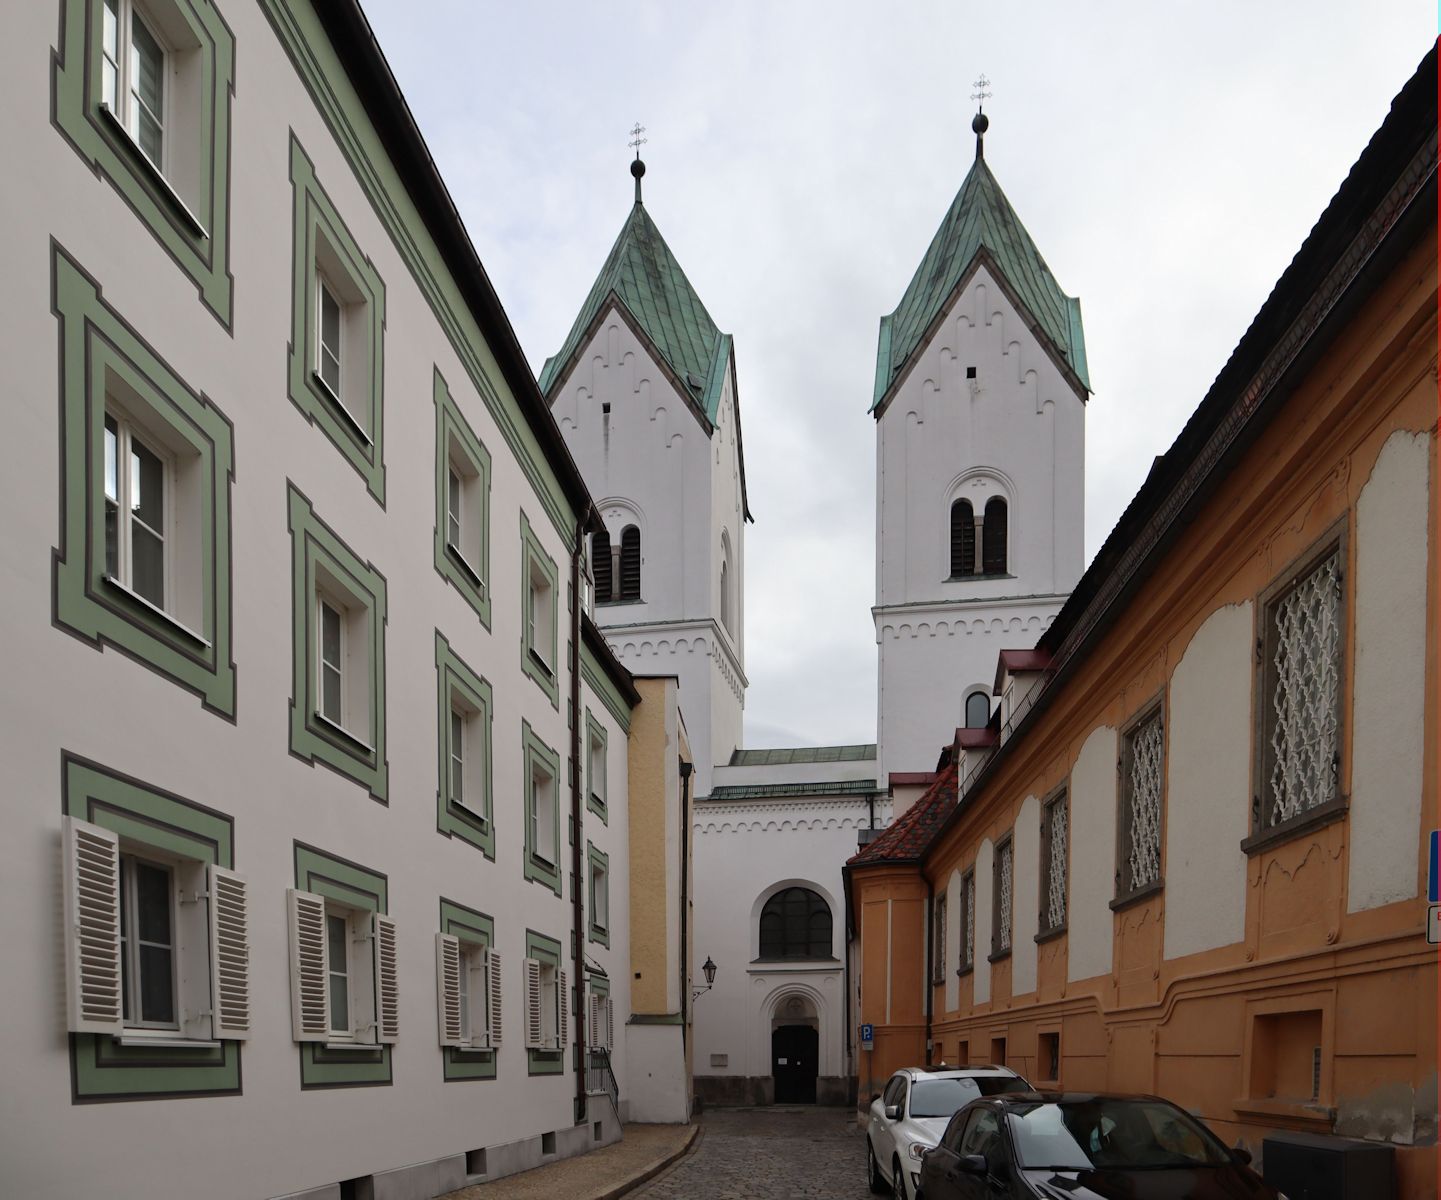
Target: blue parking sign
point(868, 1037)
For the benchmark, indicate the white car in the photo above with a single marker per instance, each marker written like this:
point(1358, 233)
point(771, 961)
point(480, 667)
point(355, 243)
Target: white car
point(908, 1118)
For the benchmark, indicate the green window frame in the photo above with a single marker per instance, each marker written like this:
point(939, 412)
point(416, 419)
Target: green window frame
point(323, 565)
point(546, 950)
point(474, 928)
point(101, 1069)
point(536, 754)
point(597, 860)
point(101, 356)
point(187, 212)
point(540, 638)
point(466, 566)
point(364, 890)
point(323, 247)
point(455, 681)
point(597, 798)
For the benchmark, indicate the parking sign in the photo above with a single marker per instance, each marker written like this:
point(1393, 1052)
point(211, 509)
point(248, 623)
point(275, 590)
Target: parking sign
point(868, 1037)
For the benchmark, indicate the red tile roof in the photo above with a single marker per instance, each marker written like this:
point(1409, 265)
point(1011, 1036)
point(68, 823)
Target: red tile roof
point(912, 778)
point(907, 838)
point(1019, 660)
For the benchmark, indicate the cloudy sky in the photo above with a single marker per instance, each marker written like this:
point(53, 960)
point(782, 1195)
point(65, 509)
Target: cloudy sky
point(1167, 158)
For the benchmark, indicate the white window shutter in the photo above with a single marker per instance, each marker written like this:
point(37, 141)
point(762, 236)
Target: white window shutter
point(229, 955)
point(562, 1010)
point(609, 1024)
point(492, 980)
point(309, 983)
point(534, 1035)
point(447, 988)
point(92, 928)
point(592, 1019)
point(387, 980)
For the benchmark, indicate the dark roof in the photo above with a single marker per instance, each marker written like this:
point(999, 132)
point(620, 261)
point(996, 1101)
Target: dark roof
point(763, 791)
point(912, 778)
point(1019, 660)
point(802, 754)
point(618, 675)
point(979, 220)
point(908, 836)
point(975, 739)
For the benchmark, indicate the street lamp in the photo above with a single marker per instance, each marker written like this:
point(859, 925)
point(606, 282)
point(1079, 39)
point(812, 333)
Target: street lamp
point(708, 969)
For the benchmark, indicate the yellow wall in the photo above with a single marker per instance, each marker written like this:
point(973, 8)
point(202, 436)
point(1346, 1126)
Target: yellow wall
point(651, 762)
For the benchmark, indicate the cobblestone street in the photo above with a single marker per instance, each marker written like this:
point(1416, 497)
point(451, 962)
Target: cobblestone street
point(776, 1153)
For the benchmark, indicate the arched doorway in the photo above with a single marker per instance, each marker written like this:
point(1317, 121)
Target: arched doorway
point(795, 1050)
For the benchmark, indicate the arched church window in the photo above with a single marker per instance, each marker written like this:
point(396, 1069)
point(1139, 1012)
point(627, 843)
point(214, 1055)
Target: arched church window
point(978, 710)
point(725, 586)
point(600, 565)
point(796, 923)
point(630, 563)
point(963, 538)
point(993, 537)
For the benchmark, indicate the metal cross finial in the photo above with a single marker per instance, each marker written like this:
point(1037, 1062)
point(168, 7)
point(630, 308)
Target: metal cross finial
point(636, 141)
point(981, 94)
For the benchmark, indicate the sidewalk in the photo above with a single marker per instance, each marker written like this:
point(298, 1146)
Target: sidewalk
point(641, 1154)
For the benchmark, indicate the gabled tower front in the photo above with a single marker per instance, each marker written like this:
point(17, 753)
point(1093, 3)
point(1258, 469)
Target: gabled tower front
point(644, 392)
point(980, 396)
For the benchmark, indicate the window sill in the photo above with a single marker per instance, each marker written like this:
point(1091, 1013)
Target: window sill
point(1308, 822)
point(962, 972)
point(1049, 935)
point(978, 578)
point(539, 861)
point(473, 814)
point(329, 393)
point(156, 175)
point(459, 559)
point(998, 956)
point(136, 598)
point(618, 602)
point(334, 727)
point(1295, 1110)
point(165, 1041)
point(1135, 897)
point(353, 1047)
point(541, 663)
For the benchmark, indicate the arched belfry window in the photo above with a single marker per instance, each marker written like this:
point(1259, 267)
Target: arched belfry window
point(796, 923)
point(993, 537)
point(600, 565)
point(963, 538)
point(630, 563)
point(725, 584)
point(978, 710)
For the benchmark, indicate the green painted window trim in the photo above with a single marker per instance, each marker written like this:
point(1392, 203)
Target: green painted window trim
point(324, 76)
point(534, 750)
point(96, 342)
point(596, 858)
point(458, 820)
point(469, 925)
point(101, 1069)
point(315, 217)
point(204, 253)
point(314, 543)
point(597, 803)
point(599, 984)
point(606, 692)
point(357, 887)
point(453, 430)
point(546, 950)
point(532, 555)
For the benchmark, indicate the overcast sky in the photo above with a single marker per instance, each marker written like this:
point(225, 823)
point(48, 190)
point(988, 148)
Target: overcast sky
point(1167, 158)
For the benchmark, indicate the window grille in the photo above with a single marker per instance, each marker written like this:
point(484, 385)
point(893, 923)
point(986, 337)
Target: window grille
point(796, 923)
point(630, 563)
point(963, 538)
point(968, 918)
point(600, 565)
point(938, 974)
point(1300, 698)
point(1053, 865)
point(1143, 764)
point(1001, 942)
point(993, 537)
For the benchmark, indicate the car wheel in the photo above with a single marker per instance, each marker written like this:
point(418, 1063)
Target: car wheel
point(873, 1170)
point(898, 1180)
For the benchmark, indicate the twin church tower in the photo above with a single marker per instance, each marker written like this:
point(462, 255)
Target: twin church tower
point(979, 403)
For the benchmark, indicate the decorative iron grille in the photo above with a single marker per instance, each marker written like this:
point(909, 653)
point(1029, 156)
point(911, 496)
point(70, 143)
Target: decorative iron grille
point(969, 889)
point(938, 975)
point(1003, 898)
point(1056, 865)
point(1305, 664)
point(1143, 852)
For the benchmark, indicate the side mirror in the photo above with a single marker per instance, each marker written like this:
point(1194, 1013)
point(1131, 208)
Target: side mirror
point(893, 1112)
point(972, 1164)
point(1241, 1155)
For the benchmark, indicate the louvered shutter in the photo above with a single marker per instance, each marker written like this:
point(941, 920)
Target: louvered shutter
point(592, 1019)
point(309, 984)
point(993, 537)
point(447, 988)
point(229, 955)
point(600, 566)
point(534, 1024)
point(387, 979)
point(562, 1010)
point(609, 1023)
point(963, 538)
point(92, 928)
point(630, 563)
point(492, 980)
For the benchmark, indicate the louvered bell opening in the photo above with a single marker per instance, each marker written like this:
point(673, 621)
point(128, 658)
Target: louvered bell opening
point(600, 566)
point(963, 538)
point(993, 537)
point(630, 563)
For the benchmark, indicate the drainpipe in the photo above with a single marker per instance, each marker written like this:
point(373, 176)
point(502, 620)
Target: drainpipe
point(685, 772)
point(930, 959)
point(577, 876)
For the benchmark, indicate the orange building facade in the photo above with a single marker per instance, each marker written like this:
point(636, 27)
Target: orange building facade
point(1190, 856)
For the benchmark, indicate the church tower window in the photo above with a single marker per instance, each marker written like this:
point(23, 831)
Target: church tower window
point(630, 563)
point(978, 710)
point(600, 566)
point(993, 537)
point(963, 539)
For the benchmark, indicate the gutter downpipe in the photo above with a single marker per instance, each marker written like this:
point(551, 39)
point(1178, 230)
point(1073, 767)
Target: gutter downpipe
point(577, 895)
point(685, 773)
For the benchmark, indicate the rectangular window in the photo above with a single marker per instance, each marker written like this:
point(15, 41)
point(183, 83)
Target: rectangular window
point(457, 756)
point(597, 787)
point(462, 503)
point(337, 933)
point(133, 71)
point(599, 895)
point(453, 511)
point(539, 629)
point(547, 1005)
point(137, 499)
point(1054, 860)
point(1048, 1056)
point(464, 737)
point(469, 992)
point(1143, 773)
point(1002, 886)
point(328, 348)
point(540, 579)
point(968, 921)
point(542, 815)
point(332, 654)
point(147, 943)
point(1299, 703)
point(938, 950)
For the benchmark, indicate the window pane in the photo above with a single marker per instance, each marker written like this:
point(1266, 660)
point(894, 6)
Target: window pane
point(329, 364)
point(110, 48)
point(112, 498)
point(329, 634)
point(147, 84)
point(152, 904)
point(453, 498)
point(336, 937)
point(147, 565)
point(457, 757)
point(157, 992)
point(330, 706)
point(147, 486)
point(339, 1001)
point(124, 940)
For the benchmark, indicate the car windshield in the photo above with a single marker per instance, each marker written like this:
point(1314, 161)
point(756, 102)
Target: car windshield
point(941, 1097)
point(1136, 1135)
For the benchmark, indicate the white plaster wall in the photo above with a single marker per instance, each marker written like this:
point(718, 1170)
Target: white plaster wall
point(981, 976)
point(657, 1057)
point(107, 707)
point(1208, 773)
point(1025, 896)
point(798, 772)
point(1092, 830)
point(954, 940)
point(1389, 705)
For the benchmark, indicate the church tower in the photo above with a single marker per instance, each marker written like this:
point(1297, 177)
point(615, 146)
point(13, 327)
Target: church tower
point(979, 402)
point(644, 392)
